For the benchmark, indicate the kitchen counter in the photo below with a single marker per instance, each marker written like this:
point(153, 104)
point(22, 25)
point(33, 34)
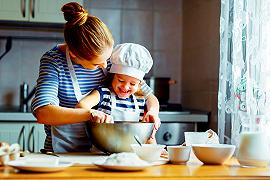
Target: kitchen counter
point(17, 116)
point(193, 170)
point(164, 116)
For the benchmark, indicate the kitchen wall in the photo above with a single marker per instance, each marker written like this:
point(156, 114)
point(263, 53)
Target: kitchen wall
point(200, 57)
point(21, 63)
point(156, 24)
point(182, 36)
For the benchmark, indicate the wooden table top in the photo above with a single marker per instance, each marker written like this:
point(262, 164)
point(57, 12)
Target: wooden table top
point(191, 170)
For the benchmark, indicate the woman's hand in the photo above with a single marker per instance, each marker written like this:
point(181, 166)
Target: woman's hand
point(100, 117)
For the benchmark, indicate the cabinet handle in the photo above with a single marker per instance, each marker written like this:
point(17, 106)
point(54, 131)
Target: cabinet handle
point(31, 134)
point(32, 8)
point(23, 7)
point(22, 135)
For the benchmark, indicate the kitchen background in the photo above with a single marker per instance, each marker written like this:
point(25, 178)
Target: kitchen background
point(182, 35)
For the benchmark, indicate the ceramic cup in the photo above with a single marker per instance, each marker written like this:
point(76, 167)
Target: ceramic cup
point(179, 154)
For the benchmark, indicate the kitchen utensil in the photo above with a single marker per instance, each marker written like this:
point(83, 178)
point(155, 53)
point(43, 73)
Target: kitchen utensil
point(195, 138)
point(213, 153)
point(137, 139)
point(179, 154)
point(116, 137)
point(121, 168)
point(253, 149)
point(39, 167)
point(148, 152)
point(8, 46)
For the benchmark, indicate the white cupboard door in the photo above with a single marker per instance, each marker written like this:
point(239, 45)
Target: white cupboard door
point(14, 133)
point(48, 10)
point(14, 10)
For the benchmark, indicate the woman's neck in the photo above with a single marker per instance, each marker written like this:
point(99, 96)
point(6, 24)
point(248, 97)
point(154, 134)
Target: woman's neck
point(63, 47)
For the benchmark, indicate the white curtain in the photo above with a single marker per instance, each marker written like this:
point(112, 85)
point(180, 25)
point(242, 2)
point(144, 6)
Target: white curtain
point(244, 76)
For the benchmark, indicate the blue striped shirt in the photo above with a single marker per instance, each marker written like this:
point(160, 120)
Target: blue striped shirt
point(128, 103)
point(54, 84)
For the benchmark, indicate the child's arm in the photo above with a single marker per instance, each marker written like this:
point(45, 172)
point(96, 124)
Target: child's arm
point(89, 102)
point(152, 105)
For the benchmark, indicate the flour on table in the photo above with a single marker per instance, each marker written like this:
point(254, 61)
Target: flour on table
point(125, 159)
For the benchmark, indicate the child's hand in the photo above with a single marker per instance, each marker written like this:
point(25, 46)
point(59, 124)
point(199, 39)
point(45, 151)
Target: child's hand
point(151, 140)
point(100, 117)
point(152, 116)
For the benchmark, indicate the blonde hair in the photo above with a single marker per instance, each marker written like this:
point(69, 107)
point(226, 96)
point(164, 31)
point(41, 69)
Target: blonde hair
point(86, 36)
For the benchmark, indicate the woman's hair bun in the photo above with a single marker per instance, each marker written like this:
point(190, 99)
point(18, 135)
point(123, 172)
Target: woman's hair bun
point(74, 13)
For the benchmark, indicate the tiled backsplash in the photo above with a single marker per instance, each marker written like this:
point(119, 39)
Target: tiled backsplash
point(156, 24)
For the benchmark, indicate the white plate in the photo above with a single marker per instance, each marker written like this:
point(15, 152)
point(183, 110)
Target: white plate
point(42, 167)
point(121, 168)
point(161, 161)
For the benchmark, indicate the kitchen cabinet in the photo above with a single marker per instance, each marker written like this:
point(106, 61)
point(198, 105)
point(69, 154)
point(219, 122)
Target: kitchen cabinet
point(29, 135)
point(48, 11)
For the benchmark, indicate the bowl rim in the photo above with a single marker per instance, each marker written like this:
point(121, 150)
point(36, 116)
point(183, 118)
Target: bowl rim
point(214, 145)
point(148, 145)
point(178, 146)
point(123, 122)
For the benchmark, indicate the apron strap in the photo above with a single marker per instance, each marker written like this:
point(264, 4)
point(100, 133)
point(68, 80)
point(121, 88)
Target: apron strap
point(135, 103)
point(74, 79)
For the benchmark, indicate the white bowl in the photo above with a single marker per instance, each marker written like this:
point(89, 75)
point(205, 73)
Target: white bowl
point(213, 153)
point(179, 154)
point(148, 152)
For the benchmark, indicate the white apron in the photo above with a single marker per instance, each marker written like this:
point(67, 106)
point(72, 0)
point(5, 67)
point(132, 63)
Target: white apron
point(71, 137)
point(120, 114)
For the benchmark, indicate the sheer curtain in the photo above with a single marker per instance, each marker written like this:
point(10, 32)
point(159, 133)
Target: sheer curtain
point(244, 76)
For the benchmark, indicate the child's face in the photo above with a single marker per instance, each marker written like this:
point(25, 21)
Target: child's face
point(124, 85)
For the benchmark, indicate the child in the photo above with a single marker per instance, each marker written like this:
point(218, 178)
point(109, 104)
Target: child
point(121, 99)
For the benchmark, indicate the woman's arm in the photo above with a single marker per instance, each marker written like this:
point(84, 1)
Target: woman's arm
point(56, 115)
point(152, 103)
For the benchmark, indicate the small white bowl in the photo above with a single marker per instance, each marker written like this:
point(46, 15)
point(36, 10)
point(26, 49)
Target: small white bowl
point(179, 154)
point(213, 153)
point(148, 152)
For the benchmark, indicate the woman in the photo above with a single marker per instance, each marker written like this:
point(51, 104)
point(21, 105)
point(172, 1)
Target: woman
point(68, 72)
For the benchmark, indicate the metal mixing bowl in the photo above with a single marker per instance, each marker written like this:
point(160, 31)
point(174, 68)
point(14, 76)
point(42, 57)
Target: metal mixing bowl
point(116, 137)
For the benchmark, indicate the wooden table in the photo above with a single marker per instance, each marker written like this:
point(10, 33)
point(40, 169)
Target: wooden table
point(191, 171)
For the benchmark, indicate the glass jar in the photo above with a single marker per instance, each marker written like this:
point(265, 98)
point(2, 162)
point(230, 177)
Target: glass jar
point(253, 148)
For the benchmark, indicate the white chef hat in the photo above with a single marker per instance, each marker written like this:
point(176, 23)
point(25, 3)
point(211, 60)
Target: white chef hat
point(131, 59)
